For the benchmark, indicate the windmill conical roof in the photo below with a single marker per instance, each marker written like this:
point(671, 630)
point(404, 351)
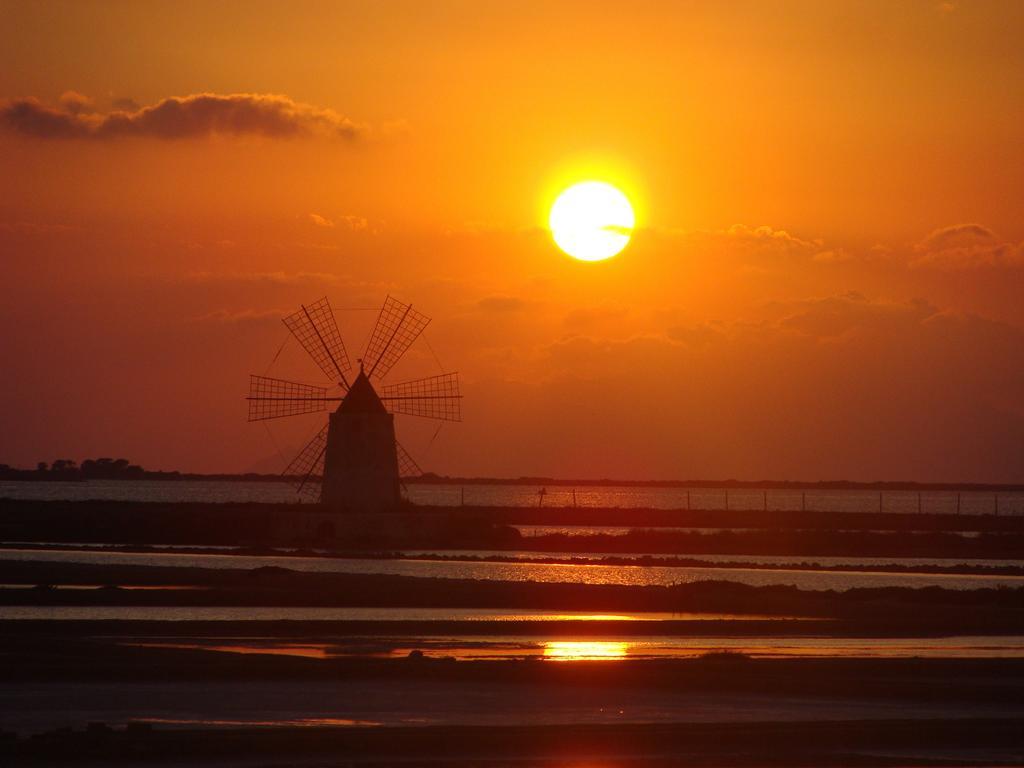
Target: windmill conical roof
point(361, 398)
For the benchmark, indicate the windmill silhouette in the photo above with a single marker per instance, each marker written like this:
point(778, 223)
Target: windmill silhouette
point(355, 453)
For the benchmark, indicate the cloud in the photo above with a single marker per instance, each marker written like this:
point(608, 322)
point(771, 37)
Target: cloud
point(241, 316)
point(188, 117)
point(958, 235)
point(754, 244)
point(853, 313)
point(966, 246)
point(355, 223)
point(76, 103)
point(278, 278)
point(350, 222)
point(933, 393)
point(586, 318)
point(126, 104)
point(764, 235)
point(695, 335)
point(320, 221)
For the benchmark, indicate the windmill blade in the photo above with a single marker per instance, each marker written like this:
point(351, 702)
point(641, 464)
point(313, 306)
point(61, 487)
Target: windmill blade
point(407, 466)
point(317, 331)
point(436, 397)
point(306, 468)
point(275, 398)
point(398, 326)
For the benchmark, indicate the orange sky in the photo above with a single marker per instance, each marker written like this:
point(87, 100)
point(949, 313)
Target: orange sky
point(826, 279)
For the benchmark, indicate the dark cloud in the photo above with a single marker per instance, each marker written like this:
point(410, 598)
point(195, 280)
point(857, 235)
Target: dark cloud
point(29, 117)
point(126, 104)
point(957, 235)
point(76, 103)
point(964, 246)
point(853, 313)
point(194, 116)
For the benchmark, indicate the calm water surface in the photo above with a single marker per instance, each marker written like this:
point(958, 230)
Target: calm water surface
point(642, 558)
point(528, 571)
point(779, 560)
point(527, 496)
point(287, 613)
point(611, 648)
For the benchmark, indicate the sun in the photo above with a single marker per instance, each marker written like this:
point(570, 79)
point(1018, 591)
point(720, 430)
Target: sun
point(591, 221)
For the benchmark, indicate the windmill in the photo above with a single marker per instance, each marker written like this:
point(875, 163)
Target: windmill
point(355, 453)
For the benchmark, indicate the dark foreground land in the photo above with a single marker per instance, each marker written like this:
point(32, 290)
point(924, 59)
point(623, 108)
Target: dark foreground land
point(189, 707)
point(982, 742)
point(890, 611)
point(768, 532)
point(169, 693)
point(196, 693)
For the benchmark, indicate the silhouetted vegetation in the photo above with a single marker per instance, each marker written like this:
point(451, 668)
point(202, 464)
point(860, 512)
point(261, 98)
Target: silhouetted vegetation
point(90, 469)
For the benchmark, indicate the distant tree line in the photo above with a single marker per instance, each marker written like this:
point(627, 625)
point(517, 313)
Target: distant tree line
point(68, 469)
point(107, 468)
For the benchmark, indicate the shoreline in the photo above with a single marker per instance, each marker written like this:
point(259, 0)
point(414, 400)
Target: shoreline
point(880, 610)
point(13, 474)
point(539, 557)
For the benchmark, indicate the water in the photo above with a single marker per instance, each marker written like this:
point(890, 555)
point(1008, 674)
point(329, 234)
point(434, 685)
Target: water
point(614, 648)
point(32, 707)
point(627, 575)
point(825, 561)
point(972, 503)
point(530, 531)
point(853, 562)
point(288, 613)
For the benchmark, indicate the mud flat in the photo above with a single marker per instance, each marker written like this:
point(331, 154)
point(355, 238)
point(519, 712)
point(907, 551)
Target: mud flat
point(877, 610)
point(186, 707)
point(808, 532)
point(938, 742)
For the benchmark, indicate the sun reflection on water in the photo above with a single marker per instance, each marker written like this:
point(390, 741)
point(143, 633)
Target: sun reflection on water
point(584, 650)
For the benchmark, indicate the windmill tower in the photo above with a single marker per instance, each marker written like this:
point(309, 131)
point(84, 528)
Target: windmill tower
point(355, 453)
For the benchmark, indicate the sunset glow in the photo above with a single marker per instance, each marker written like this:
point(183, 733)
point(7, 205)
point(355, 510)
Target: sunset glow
point(584, 650)
point(592, 221)
point(789, 192)
point(356, 351)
